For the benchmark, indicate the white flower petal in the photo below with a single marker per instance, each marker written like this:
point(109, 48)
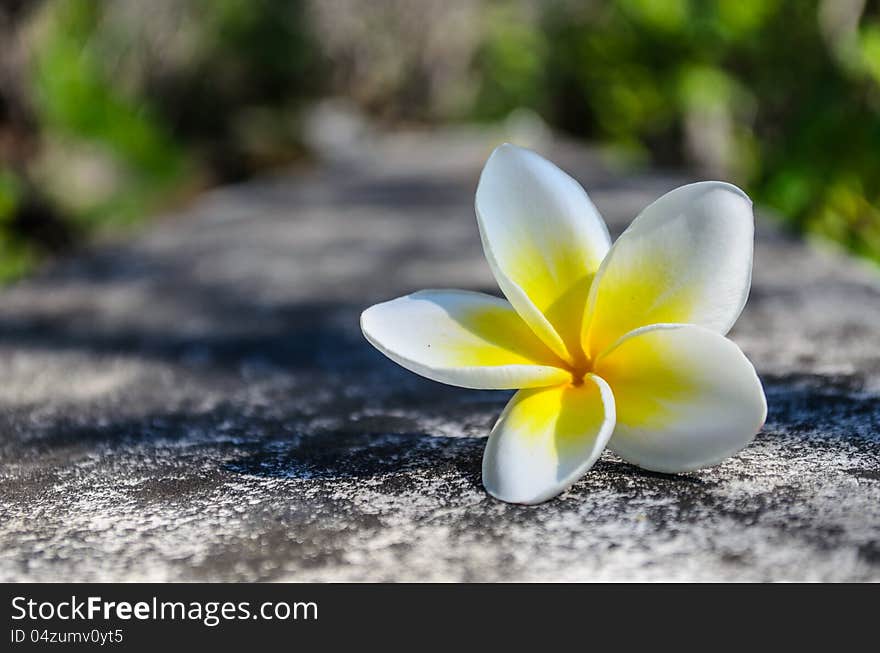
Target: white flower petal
point(461, 338)
point(546, 439)
point(686, 397)
point(687, 258)
point(544, 241)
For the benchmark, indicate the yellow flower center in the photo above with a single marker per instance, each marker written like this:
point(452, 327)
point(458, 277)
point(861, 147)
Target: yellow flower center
point(579, 370)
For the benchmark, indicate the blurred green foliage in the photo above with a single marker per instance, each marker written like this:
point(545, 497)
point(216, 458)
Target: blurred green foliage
point(16, 254)
point(77, 101)
point(132, 105)
point(782, 96)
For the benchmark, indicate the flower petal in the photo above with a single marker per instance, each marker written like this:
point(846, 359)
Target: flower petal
point(687, 258)
point(546, 439)
point(462, 338)
point(544, 241)
point(686, 397)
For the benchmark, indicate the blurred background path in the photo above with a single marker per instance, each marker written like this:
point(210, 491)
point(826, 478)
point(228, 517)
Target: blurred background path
point(197, 403)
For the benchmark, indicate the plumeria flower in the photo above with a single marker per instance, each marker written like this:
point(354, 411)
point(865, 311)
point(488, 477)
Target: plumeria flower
point(621, 346)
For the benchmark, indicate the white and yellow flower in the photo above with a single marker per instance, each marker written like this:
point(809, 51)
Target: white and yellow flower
point(620, 346)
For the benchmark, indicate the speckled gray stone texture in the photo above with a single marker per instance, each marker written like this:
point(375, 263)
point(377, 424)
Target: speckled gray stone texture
point(197, 402)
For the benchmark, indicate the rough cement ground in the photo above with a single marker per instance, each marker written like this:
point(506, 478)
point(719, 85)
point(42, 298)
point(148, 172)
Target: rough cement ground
point(199, 404)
